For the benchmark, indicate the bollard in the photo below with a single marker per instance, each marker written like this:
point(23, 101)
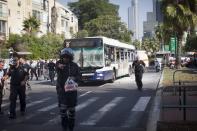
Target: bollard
point(184, 104)
point(180, 102)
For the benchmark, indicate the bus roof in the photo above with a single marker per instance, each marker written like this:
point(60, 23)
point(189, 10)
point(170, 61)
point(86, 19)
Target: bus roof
point(114, 43)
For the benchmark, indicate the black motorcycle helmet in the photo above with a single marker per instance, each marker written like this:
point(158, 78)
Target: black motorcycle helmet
point(67, 52)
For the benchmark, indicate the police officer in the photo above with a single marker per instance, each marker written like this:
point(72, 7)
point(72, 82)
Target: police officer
point(67, 100)
point(2, 73)
point(17, 86)
point(138, 66)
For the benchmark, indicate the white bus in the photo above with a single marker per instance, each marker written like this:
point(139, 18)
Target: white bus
point(101, 58)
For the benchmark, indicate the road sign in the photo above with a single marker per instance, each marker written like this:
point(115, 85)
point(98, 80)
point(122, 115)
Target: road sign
point(173, 44)
point(166, 47)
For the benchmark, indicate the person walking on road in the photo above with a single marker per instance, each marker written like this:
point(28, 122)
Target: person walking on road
point(17, 86)
point(33, 71)
point(68, 75)
point(2, 73)
point(51, 67)
point(46, 71)
point(139, 67)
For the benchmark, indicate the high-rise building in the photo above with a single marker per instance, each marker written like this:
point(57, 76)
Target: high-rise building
point(159, 14)
point(151, 22)
point(133, 19)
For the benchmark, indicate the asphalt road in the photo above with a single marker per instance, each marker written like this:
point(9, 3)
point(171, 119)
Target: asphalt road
point(117, 106)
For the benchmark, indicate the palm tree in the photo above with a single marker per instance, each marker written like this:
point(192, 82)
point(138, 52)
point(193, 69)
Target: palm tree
point(31, 25)
point(180, 18)
point(163, 34)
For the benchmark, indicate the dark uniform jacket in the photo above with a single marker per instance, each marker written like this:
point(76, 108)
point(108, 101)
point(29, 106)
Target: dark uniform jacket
point(71, 69)
point(17, 75)
point(138, 67)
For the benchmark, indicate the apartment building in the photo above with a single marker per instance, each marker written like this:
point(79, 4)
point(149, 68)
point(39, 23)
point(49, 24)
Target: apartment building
point(67, 22)
point(20, 10)
point(3, 19)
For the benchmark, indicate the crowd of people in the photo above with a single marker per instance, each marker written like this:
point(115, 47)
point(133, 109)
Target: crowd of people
point(20, 71)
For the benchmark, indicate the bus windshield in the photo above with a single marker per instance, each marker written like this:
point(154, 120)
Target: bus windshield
point(87, 52)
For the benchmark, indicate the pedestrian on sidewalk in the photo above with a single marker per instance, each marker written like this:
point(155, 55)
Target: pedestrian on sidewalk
point(2, 73)
point(139, 68)
point(67, 73)
point(18, 80)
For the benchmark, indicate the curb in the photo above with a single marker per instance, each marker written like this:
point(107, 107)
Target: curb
point(154, 114)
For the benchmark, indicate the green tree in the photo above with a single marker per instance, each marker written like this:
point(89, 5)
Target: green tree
point(87, 10)
point(180, 18)
point(150, 45)
point(31, 25)
point(163, 34)
point(137, 44)
point(109, 26)
point(45, 47)
point(81, 34)
point(191, 43)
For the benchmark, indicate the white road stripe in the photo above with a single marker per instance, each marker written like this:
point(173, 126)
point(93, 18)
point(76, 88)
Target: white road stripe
point(137, 112)
point(85, 104)
point(5, 104)
point(8, 103)
point(141, 104)
point(48, 108)
point(85, 94)
point(133, 119)
point(78, 108)
point(104, 85)
point(35, 103)
point(102, 111)
point(39, 111)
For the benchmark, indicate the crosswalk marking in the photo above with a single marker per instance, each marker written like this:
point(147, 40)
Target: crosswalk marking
point(133, 119)
point(5, 104)
point(78, 108)
point(35, 103)
point(141, 104)
point(8, 103)
point(102, 111)
point(48, 108)
point(85, 104)
point(136, 112)
point(85, 94)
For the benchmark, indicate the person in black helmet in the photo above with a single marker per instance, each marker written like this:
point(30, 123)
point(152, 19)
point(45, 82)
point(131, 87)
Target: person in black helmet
point(66, 68)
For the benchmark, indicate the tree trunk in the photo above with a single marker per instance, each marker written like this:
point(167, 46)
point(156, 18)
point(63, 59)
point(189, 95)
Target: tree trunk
point(178, 54)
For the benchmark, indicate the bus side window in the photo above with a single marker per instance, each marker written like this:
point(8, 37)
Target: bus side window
point(107, 56)
point(117, 55)
point(129, 56)
point(112, 54)
point(122, 55)
point(125, 56)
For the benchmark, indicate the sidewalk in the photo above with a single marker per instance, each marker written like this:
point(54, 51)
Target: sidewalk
point(165, 117)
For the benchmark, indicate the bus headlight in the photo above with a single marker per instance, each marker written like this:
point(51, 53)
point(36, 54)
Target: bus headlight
point(100, 74)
